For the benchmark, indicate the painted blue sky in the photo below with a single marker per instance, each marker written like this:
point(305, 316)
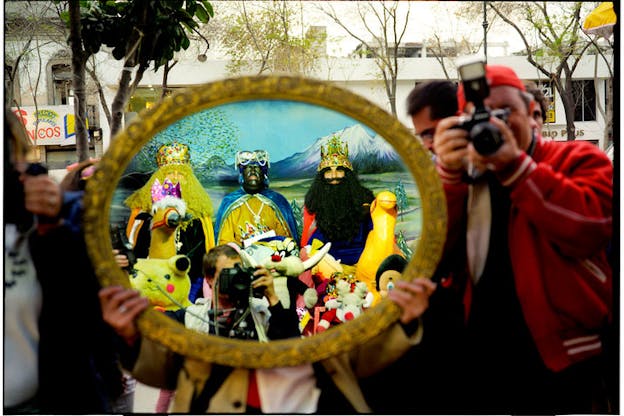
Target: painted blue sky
point(296, 125)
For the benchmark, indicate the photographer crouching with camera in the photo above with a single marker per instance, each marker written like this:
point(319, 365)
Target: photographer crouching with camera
point(244, 303)
point(328, 386)
point(533, 220)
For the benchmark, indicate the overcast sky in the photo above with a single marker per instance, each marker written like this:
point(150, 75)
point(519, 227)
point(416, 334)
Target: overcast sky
point(425, 19)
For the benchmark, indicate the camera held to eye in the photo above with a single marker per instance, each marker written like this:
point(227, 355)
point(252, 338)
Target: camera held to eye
point(36, 169)
point(485, 137)
point(236, 283)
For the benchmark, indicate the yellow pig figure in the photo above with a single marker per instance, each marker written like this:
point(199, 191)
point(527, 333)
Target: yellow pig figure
point(380, 242)
point(165, 282)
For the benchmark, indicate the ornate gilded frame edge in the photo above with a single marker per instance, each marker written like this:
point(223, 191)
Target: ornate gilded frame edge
point(251, 354)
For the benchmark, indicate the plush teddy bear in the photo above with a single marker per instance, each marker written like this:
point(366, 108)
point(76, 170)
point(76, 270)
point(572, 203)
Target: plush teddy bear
point(346, 304)
point(165, 282)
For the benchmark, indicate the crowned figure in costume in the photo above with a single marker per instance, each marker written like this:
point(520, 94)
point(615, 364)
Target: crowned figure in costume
point(337, 207)
point(254, 211)
point(194, 235)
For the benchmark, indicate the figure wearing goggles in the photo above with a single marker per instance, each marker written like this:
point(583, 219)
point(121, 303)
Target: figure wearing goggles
point(254, 211)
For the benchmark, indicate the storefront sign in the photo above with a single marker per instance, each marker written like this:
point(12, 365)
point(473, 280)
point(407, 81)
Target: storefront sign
point(559, 132)
point(48, 124)
point(547, 89)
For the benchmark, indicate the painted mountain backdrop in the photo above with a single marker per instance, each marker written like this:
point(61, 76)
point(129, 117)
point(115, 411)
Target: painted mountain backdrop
point(367, 155)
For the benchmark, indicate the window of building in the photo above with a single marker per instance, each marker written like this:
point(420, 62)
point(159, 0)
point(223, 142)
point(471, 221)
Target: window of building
point(584, 95)
point(409, 50)
point(93, 117)
point(62, 92)
point(405, 50)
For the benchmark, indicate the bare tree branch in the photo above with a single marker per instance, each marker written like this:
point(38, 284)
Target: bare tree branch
point(387, 40)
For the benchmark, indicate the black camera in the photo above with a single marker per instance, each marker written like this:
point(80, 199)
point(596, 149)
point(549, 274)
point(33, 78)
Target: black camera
point(121, 243)
point(236, 282)
point(36, 169)
point(486, 138)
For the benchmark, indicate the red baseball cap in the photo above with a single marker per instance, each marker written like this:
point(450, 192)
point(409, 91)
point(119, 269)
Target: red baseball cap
point(496, 75)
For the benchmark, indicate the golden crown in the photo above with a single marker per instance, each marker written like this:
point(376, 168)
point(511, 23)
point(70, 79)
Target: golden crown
point(334, 154)
point(173, 154)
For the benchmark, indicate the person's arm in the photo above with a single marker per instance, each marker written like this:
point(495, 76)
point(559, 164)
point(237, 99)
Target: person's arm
point(120, 309)
point(567, 196)
point(43, 197)
point(150, 362)
point(570, 202)
point(388, 346)
point(283, 323)
point(309, 226)
point(451, 147)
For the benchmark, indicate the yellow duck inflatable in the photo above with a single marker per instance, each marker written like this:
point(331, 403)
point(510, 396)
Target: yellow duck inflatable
point(380, 242)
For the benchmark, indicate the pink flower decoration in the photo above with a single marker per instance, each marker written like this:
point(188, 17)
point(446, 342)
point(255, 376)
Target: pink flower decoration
point(166, 189)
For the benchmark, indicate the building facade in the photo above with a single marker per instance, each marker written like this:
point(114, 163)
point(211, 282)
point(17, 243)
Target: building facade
point(52, 71)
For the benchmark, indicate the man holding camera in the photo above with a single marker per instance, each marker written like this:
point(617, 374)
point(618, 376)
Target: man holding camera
point(244, 303)
point(533, 220)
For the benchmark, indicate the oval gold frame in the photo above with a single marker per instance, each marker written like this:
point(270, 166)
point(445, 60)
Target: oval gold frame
point(252, 354)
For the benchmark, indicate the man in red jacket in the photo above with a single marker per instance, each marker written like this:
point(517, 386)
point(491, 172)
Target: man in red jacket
point(533, 219)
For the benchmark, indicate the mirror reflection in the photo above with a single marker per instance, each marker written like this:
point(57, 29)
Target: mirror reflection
point(305, 206)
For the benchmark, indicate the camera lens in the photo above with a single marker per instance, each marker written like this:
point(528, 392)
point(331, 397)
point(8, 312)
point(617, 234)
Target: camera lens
point(486, 138)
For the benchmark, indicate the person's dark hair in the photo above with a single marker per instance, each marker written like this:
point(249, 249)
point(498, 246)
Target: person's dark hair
point(539, 97)
point(339, 208)
point(440, 96)
point(210, 258)
point(392, 262)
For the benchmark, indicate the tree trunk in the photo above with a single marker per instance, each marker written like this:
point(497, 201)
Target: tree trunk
point(567, 96)
point(78, 82)
point(100, 90)
point(165, 78)
point(125, 90)
point(120, 100)
point(609, 119)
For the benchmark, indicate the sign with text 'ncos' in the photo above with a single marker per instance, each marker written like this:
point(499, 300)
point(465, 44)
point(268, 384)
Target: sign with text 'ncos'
point(48, 124)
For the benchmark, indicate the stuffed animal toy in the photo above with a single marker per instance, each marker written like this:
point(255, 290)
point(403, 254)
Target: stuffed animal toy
point(281, 256)
point(168, 213)
point(327, 266)
point(321, 274)
point(347, 304)
point(165, 282)
point(389, 271)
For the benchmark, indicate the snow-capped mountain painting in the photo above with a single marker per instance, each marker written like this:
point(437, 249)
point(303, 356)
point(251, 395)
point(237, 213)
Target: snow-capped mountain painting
point(367, 155)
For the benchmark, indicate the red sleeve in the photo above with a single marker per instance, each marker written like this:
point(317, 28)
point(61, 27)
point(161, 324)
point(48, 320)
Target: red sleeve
point(309, 226)
point(568, 197)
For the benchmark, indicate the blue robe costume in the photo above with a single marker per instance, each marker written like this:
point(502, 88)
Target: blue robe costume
point(277, 202)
